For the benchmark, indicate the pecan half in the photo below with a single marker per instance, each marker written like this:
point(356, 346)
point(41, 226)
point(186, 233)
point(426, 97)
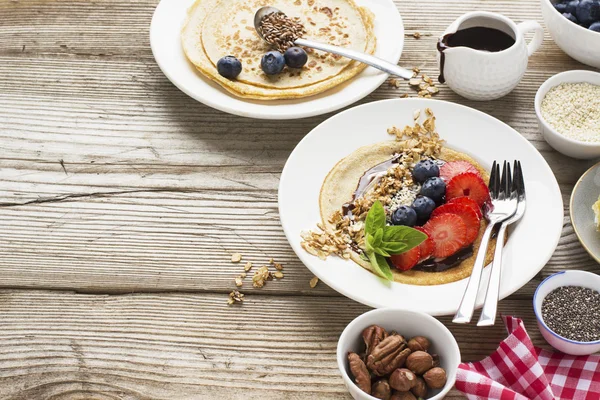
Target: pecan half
point(389, 354)
point(372, 336)
point(360, 372)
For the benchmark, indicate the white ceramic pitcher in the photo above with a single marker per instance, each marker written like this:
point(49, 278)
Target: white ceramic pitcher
point(482, 75)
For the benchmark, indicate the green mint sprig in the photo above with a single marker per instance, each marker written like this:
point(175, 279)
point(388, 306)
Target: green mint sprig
point(382, 241)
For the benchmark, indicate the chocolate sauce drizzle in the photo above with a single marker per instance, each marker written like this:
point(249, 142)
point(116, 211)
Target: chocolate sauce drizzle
point(431, 265)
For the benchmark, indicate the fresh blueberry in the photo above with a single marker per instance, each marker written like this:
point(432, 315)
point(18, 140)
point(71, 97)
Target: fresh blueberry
point(434, 188)
point(425, 169)
point(588, 12)
point(572, 7)
point(561, 7)
point(404, 215)
point(295, 57)
point(570, 17)
point(423, 207)
point(595, 27)
point(272, 63)
point(229, 67)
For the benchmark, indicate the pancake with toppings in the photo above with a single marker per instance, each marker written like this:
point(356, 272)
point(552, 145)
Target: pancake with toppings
point(230, 31)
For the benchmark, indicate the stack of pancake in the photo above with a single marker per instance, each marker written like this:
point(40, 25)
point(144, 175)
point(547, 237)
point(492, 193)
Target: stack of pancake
point(217, 28)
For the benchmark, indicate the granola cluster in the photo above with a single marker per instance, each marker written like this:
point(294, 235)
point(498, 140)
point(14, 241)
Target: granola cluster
point(259, 278)
point(416, 142)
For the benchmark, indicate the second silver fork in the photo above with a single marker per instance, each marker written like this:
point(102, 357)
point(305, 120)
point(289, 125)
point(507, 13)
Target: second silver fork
point(502, 206)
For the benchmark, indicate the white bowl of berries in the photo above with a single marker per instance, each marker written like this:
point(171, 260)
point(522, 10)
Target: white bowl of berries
point(575, 27)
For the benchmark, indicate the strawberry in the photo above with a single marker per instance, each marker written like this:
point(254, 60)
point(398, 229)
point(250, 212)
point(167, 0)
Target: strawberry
point(427, 246)
point(470, 202)
point(406, 260)
point(468, 216)
point(449, 234)
point(470, 185)
point(453, 168)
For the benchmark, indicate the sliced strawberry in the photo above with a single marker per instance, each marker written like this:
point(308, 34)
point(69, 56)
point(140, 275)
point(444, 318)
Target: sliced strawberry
point(470, 185)
point(469, 202)
point(468, 216)
point(449, 234)
point(406, 260)
point(427, 246)
point(453, 168)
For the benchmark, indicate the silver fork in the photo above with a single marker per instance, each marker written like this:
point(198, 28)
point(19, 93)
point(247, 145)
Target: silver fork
point(502, 206)
point(490, 304)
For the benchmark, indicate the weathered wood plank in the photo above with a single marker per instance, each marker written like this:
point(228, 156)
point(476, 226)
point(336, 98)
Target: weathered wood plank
point(65, 345)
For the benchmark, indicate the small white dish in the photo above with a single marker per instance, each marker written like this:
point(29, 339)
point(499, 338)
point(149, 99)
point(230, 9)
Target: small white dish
point(585, 193)
point(567, 146)
point(565, 278)
point(408, 324)
point(464, 129)
point(166, 46)
point(578, 42)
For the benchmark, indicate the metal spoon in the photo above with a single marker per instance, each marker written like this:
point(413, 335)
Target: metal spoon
point(368, 59)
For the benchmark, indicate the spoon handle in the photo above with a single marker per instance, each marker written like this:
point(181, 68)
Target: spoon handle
point(368, 59)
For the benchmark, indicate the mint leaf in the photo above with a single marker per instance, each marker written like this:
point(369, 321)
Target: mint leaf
point(377, 237)
point(403, 234)
point(375, 218)
point(369, 242)
point(381, 251)
point(363, 256)
point(380, 266)
point(393, 247)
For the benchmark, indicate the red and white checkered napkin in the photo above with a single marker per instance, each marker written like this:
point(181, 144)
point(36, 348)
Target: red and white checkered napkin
point(518, 370)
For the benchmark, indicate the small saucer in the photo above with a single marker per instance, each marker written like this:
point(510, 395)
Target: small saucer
point(584, 195)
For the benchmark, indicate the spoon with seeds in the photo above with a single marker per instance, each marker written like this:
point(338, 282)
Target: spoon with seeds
point(281, 32)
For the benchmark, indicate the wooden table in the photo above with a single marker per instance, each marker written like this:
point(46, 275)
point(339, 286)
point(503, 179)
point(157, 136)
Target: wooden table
point(122, 200)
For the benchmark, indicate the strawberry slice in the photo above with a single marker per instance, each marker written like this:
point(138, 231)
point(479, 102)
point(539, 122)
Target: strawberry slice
point(470, 185)
point(406, 260)
point(449, 234)
point(468, 216)
point(453, 168)
point(427, 246)
point(469, 202)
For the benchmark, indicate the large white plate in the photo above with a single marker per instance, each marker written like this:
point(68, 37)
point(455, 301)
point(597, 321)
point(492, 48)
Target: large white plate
point(529, 247)
point(166, 46)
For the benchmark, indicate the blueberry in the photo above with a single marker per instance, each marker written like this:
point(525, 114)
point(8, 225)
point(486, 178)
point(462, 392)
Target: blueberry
point(425, 169)
point(434, 188)
point(423, 207)
point(295, 57)
point(404, 215)
point(571, 7)
point(570, 17)
point(595, 27)
point(272, 63)
point(229, 67)
point(561, 7)
point(588, 11)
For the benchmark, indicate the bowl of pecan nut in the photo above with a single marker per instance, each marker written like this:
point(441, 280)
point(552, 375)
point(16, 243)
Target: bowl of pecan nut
point(395, 354)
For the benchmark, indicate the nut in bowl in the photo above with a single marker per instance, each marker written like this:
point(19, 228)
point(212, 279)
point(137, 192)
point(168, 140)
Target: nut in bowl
point(410, 355)
point(567, 106)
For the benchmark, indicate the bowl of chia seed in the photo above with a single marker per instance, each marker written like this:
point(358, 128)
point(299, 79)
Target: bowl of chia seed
point(567, 308)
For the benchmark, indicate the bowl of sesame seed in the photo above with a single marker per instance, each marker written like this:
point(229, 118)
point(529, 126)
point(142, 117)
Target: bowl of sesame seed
point(567, 106)
point(567, 308)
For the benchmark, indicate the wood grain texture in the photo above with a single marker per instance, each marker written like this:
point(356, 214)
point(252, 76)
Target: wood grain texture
point(113, 181)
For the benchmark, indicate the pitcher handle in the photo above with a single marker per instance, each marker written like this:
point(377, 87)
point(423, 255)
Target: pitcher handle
point(538, 36)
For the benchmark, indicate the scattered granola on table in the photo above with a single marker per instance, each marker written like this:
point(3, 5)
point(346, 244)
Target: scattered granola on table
point(236, 257)
point(235, 297)
point(313, 282)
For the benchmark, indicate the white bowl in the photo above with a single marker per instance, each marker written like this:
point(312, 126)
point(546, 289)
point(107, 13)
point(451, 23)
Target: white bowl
point(580, 43)
point(570, 147)
point(584, 195)
point(408, 324)
point(564, 278)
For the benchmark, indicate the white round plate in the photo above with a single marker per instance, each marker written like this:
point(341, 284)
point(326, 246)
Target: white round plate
point(166, 46)
point(486, 139)
point(584, 195)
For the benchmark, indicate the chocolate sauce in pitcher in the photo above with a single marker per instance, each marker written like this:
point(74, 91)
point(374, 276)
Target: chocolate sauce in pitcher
point(478, 38)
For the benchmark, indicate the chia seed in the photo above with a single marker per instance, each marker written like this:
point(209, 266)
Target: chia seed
point(573, 312)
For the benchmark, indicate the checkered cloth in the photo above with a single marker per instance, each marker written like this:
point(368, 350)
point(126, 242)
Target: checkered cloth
point(519, 371)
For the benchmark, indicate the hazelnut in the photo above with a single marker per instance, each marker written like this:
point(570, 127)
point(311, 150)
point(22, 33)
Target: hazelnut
point(402, 379)
point(435, 378)
point(419, 343)
point(419, 362)
point(403, 396)
point(381, 390)
point(420, 388)
point(436, 360)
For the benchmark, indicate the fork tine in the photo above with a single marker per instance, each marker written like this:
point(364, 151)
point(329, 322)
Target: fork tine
point(503, 182)
point(515, 181)
point(521, 183)
point(508, 183)
point(494, 180)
